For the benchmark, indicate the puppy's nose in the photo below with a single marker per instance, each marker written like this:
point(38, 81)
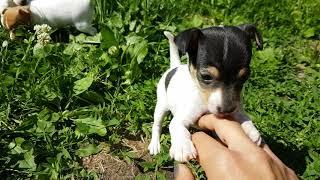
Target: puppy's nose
point(226, 109)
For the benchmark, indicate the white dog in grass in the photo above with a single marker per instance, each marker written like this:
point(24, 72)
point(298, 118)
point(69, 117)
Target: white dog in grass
point(179, 93)
point(55, 13)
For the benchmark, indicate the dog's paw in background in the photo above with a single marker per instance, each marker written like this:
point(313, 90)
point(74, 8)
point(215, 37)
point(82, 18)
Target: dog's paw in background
point(86, 28)
point(12, 35)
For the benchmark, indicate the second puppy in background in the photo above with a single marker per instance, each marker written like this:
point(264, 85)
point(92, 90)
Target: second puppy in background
point(219, 59)
point(57, 14)
point(12, 3)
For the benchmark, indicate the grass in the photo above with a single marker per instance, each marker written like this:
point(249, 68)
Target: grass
point(59, 102)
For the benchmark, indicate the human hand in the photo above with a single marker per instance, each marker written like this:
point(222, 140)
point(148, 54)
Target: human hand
point(235, 156)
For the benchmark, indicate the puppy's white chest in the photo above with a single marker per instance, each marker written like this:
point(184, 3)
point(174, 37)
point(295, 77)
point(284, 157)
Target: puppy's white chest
point(183, 96)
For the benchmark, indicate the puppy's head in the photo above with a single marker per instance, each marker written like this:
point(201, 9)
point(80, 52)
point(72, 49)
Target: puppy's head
point(219, 59)
point(11, 17)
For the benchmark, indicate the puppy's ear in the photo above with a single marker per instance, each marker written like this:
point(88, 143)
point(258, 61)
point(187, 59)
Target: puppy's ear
point(24, 11)
point(25, 16)
point(253, 33)
point(187, 42)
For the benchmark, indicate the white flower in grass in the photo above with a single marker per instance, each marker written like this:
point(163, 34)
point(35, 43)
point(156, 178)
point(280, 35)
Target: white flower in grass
point(113, 51)
point(5, 44)
point(44, 28)
point(43, 38)
point(42, 33)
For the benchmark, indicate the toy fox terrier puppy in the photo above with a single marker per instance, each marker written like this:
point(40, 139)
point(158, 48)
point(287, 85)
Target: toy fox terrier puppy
point(211, 82)
point(12, 3)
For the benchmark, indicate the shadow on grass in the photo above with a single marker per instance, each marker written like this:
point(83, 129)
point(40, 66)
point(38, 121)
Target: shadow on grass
point(290, 155)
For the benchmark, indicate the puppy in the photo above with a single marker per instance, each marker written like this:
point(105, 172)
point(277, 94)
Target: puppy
point(14, 16)
point(11, 3)
point(211, 82)
point(57, 14)
point(4, 4)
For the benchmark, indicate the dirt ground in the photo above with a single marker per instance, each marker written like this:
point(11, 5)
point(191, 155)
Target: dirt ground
point(110, 167)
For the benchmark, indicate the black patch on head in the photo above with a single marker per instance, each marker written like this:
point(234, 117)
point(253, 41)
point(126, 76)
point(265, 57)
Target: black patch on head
point(226, 48)
point(229, 49)
point(169, 77)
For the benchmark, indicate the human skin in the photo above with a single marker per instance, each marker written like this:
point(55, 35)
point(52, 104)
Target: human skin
point(234, 155)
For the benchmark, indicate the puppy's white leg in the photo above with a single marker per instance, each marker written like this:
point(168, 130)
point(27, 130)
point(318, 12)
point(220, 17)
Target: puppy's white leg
point(86, 28)
point(159, 113)
point(12, 35)
point(249, 128)
point(182, 148)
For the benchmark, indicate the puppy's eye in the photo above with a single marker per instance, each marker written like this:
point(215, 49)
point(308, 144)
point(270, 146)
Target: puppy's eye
point(207, 78)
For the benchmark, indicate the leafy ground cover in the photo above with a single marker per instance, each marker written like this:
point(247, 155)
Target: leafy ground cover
point(64, 102)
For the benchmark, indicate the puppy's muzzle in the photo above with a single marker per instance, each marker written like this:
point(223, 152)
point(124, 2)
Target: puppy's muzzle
point(226, 110)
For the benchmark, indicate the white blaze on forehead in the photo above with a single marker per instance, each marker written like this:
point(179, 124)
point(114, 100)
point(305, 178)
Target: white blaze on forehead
point(215, 100)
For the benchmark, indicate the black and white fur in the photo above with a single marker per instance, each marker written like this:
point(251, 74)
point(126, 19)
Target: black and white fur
point(57, 13)
point(189, 91)
point(10, 3)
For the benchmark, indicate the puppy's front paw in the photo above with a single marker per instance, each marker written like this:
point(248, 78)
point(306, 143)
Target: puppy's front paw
point(183, 151)
point(252, 132)
point(12, 35)
point(154, 147)
point(93, 31)
point(255, 136)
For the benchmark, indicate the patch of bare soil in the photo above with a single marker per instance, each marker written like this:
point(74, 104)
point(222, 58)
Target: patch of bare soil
point(110, 167)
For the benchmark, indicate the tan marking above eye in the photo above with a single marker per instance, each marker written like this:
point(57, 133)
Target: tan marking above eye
point(242, 72)
point(213, 71)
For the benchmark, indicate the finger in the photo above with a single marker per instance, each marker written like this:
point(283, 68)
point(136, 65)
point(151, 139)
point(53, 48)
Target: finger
point(289, 173)
point(266, 148)
point(278, 170)
point(182, 172)
point(203, 142)
point(292, 175)
point(211, 153)
point(229, 131)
